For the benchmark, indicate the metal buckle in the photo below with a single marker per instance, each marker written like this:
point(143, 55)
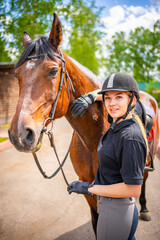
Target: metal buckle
point(45, 127)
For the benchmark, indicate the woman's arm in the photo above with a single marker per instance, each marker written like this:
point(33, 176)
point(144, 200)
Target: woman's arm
point(118, 190)
point(98, 97)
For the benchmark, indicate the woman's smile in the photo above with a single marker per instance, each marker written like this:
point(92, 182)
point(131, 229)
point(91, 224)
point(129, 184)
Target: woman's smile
point(114, 109)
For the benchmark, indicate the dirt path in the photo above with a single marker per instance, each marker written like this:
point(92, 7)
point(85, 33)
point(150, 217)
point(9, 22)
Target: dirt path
point(33, 208)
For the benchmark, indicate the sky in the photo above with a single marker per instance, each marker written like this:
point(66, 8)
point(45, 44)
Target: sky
point(126, 15)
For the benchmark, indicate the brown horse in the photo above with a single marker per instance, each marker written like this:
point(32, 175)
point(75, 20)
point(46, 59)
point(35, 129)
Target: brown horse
point(40, 71)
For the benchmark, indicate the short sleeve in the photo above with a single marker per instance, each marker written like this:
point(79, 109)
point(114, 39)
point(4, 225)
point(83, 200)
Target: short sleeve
point(133, 162)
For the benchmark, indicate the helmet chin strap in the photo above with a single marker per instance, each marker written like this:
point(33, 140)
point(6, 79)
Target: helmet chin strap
point(127, 112)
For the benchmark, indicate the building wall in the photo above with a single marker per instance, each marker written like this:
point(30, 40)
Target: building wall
point(8, 93)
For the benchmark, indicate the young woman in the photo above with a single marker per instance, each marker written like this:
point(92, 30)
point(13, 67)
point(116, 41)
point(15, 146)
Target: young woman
point(122, 152)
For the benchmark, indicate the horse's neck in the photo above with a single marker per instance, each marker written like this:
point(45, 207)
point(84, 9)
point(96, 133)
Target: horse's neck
point(91, 126)
point(82, 83)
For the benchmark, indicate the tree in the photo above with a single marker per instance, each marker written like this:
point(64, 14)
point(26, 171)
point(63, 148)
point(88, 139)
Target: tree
point(144, 54)
point(35, 17)
point(4, 56)
point(85, 36)
point(118, 51)
point(156, 43)
point(138, 54)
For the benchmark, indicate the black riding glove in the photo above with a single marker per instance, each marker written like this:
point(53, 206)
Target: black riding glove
point(81, 104)
point(80, 187)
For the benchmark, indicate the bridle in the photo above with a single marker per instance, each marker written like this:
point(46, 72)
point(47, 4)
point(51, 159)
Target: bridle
point(51, 117)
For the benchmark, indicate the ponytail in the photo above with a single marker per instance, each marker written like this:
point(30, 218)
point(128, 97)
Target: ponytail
point(138, 120)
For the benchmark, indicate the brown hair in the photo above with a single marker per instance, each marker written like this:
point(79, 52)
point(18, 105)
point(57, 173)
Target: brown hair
point(138, 120)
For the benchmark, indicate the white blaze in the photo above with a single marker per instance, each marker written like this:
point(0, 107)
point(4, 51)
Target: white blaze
point(30, 64)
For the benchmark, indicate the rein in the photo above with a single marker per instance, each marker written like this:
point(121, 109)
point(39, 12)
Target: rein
point(51, 117)
point(50, 136)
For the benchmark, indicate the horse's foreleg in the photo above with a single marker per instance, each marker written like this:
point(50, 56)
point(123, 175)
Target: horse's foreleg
point(94, 216)
point(85, 166)
point(144, 213)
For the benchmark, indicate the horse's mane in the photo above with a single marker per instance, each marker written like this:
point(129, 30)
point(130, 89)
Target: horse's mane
point(88, 73)
point(39, 47)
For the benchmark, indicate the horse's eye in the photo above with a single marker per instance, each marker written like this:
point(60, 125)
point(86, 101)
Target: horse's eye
point(53, 72)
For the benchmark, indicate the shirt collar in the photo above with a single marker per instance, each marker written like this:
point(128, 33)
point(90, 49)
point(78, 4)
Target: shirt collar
point(123, 124)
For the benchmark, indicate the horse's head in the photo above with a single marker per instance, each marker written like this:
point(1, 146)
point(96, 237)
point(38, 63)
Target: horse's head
point(39, 72)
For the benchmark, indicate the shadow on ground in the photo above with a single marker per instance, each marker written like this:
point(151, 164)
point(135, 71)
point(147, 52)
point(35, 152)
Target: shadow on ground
point(83, 232)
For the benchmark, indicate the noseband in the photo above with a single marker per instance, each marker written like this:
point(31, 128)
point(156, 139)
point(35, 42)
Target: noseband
point(51, 117)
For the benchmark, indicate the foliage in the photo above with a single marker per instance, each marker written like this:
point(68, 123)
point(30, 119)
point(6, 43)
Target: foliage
point(84, 39)
point(138, 54)
point(4, 56)
point(35, 17)
point(118, 53)
point(154, 91)
point(29, 15)
point(145, 57)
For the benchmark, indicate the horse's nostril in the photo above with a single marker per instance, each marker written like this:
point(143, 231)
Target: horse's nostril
point(30, 136)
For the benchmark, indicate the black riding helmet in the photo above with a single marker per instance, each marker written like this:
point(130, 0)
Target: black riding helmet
point(121, 82)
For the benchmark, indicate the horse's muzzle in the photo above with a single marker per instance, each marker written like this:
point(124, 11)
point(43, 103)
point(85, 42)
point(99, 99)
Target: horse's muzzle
point(26, 142)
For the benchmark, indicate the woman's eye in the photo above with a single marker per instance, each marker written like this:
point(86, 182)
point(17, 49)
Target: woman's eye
point(119, 97)
point(53, 72)
point(106, 98)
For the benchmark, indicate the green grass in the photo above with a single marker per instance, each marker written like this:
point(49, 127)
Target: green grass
point(3, 139)
point(5, 126)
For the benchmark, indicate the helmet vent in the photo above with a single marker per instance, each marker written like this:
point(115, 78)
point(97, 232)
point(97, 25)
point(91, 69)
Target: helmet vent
point(110, 81)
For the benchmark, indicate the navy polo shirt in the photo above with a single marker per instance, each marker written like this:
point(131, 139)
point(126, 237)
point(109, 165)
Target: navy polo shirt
point(121, 155)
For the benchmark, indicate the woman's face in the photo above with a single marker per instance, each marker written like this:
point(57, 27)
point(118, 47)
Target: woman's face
point(116, 103)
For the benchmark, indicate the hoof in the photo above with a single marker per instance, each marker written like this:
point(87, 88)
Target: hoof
point(145, 216)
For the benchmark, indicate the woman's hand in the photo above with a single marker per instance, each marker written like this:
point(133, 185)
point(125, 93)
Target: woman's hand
point(81, 104)
point(80, 187)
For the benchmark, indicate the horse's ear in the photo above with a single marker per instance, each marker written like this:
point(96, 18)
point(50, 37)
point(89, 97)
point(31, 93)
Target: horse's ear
point(55, 36)
point(26, 39)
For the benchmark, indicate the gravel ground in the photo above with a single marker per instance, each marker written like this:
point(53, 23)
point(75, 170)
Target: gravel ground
point(33, 208)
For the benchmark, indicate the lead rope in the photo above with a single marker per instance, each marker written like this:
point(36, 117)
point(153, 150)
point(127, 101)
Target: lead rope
point(50, 136)
point(60, 164)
